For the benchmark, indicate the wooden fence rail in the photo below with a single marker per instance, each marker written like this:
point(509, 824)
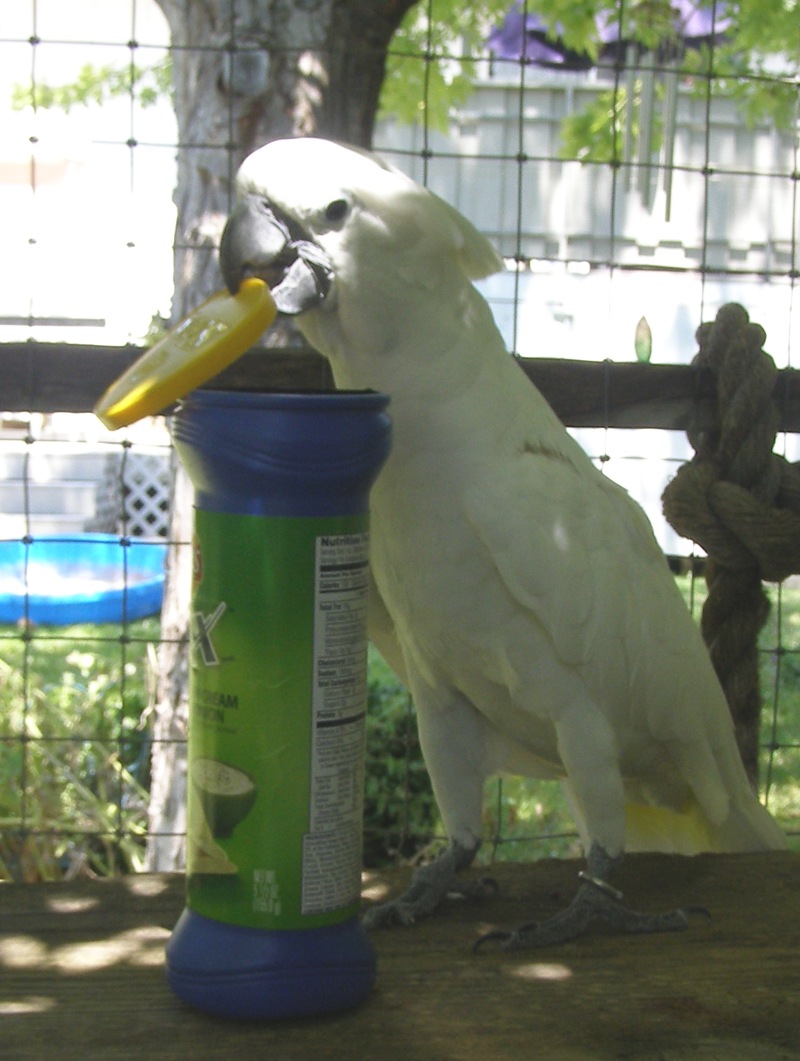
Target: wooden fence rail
point(61, 377)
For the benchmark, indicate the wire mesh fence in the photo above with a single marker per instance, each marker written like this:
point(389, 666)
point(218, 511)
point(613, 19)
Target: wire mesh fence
point(669, 207)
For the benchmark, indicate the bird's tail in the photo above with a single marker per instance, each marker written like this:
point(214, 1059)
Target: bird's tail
point(748, 826)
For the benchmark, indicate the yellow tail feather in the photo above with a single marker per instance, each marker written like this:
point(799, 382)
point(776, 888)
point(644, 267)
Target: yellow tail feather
point(657, 829)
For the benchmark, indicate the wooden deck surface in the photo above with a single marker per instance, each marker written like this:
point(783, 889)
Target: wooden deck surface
point(81, 976)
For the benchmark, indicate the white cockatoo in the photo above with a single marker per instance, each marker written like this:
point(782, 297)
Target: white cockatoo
point(519, 592)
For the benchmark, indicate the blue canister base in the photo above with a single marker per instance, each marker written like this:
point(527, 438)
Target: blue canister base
point(259, 974)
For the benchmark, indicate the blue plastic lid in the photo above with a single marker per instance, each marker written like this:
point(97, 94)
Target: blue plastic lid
point(283, 454)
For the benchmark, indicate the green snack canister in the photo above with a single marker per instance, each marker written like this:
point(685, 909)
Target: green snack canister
point(277, 700)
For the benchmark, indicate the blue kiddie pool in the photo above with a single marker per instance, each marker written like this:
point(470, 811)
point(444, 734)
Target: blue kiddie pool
point(80, 578)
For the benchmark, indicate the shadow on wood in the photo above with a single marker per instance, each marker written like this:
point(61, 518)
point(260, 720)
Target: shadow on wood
point(81, 973)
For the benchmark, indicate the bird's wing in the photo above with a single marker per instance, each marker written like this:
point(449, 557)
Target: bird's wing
point(578, 554)
point(382, 632)
point(575, 552)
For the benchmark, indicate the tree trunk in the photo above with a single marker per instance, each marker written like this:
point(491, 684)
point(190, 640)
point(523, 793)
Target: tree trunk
point(244, 72)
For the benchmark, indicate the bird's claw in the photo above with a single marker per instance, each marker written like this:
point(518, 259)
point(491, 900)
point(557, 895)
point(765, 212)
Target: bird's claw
point(590, 905)
point(429, 886)
point(408, 907)
point(508, 940)
point(482, 888)
point(489, 937)
point(701, 911)
point(392, 913)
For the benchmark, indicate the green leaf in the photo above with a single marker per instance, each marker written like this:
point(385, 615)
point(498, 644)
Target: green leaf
point(432, 62)
point(94, 85)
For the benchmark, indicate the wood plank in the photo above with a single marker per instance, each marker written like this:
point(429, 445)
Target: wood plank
point(60, 377)
point(81, 976)
point(53, 377)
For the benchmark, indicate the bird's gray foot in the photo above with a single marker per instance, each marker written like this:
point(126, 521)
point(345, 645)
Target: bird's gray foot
point(429, 886)
point(595, 901)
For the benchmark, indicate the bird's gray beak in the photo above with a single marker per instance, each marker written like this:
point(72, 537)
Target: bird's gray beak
point(258, 241)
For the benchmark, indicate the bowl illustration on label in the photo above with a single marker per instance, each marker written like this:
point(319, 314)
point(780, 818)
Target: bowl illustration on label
point(203, 853)
point(226, 794)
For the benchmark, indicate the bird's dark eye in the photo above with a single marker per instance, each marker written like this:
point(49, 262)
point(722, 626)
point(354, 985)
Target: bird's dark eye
point(336, 211)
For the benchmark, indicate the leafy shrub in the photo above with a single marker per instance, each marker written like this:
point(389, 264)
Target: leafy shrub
point(400, 812)
point(74, 751)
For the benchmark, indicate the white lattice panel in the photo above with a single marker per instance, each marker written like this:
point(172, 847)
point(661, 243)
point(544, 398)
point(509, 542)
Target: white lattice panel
point(145, 494)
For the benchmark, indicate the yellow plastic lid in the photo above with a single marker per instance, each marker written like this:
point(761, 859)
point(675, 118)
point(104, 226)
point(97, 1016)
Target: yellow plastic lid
point(212, 336)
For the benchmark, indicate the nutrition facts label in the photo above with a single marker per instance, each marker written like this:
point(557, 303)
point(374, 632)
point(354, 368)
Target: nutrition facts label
point(332, 846)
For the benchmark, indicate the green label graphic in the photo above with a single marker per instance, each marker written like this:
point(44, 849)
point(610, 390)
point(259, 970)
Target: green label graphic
point(277, 719)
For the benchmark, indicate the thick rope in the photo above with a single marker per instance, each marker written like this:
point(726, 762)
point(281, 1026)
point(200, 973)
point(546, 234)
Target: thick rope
point(741, 503)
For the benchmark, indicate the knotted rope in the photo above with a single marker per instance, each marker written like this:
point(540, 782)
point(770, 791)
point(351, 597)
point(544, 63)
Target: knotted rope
point(741, 503)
